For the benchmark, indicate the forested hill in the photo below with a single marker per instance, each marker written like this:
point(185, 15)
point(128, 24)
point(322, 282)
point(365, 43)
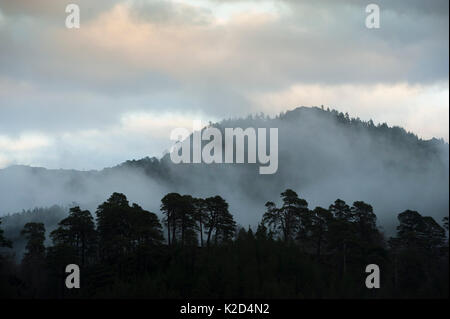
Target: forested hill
point(323, 155)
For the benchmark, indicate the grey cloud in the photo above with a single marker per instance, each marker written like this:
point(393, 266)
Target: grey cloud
point(53, 11)
point(336, 48)
point(75, 84)
point(167, 12)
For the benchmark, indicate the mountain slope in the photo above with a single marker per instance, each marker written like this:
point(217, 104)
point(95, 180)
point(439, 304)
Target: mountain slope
point(323, 155)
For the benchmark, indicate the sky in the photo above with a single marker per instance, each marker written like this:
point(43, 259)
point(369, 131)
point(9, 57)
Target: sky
point(113, 89)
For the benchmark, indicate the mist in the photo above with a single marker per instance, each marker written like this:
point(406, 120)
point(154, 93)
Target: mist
point(25, 187)
point(323, 155)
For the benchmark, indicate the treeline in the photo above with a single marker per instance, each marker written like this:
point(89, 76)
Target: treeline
point(13, 223)
point(197, 251)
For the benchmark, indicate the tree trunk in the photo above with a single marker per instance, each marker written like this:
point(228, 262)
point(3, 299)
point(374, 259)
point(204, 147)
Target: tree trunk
point(168, 231)
point(319, 244)
point(174, 228)
point(209, 236)
point(201, 233)
point(345, 261)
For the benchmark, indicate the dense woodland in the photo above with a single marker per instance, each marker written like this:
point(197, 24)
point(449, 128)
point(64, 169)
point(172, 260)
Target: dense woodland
point(198, 251)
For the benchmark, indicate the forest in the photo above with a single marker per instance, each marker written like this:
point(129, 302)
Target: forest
point(197, 250)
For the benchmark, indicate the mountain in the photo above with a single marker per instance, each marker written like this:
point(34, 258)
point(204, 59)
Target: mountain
point(323, 155)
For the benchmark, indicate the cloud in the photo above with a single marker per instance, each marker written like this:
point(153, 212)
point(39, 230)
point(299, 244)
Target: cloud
point(24, 148)
point(52, 11)
point(219, 59)
point(4, 161)
point(23, 143)
point(137, 45)
point(413, 107)
point(136, 135)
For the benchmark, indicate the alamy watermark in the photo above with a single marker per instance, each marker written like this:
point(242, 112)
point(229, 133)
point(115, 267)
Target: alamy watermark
point(373, 17)
point(73, 17)
point(228, 149)
point(73, 279)
point(373, 279)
